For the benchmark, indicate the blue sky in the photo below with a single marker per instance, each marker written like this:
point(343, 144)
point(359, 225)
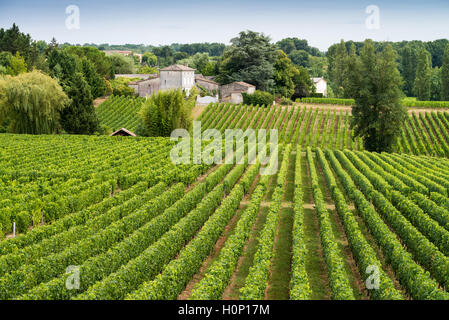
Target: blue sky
point(322, 23)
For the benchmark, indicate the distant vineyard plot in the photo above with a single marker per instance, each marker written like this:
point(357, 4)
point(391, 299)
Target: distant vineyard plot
point(120, 112)
point(328, 128)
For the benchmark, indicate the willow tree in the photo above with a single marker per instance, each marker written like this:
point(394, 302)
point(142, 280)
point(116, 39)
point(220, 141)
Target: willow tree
point(31, 103)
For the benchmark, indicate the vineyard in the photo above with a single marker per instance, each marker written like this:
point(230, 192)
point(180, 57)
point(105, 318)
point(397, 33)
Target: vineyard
point(406, 102)
point(334, 222)
point(120, 112)
point(325, 128)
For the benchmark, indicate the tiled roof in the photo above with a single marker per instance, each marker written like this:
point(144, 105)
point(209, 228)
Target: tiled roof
point(125, 131)
point(177, 67)
point(244, 84)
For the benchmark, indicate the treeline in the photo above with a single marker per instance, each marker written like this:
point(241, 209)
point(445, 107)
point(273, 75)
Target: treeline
point(48, 89)
point(424, 67)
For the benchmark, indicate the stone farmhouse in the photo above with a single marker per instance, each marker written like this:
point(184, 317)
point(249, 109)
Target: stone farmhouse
point(179, 76)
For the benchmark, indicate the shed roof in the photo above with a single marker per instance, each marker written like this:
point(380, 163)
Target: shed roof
point(123, 132)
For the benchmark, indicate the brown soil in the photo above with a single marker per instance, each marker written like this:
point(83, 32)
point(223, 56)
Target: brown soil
point(99, 101)
point(196, 111)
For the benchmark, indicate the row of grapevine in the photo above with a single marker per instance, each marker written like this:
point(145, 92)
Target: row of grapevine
point(299, 284)
point(169, 284)
point(364, 254)
point(158, 257)
point(424, 251)
point(411, 275)
point(257, 279)
point(410, 103)
point(338, 279)
point(120, 112)
point(306, 126)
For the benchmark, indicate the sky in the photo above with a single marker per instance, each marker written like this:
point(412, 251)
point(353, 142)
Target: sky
point(321, 22)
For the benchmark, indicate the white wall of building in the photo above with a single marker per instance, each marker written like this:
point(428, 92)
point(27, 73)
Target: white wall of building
point(177, 79)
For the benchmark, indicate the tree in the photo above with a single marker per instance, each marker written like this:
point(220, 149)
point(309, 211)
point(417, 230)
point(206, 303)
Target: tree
point(102, 63)
point(283, 75)
point(31, 102)
point(96, 83)
point(164, 55)
point(122, 64)
point(149, 59)
point(165, 111)
point(423, 75)
point(338, 69)
point(408, 66)
point(62, 65)
point(378, 114)
point(13, 41)
point(303, 84)
point(351, 64)
point(445, 75)
point(13, 65)
point(300, 58)
point(198, 61)
point(289, 44)
point(79, 117)
point(250, 58)
point(435, 84)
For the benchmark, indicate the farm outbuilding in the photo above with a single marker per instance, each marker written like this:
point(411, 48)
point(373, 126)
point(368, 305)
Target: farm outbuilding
point(232, 92)
point(123, 133)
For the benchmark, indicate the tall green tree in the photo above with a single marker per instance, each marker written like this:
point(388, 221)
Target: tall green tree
point(79, 117)
point(31, 103)
point(300, 58)
point(102, 63)
point(250, 58)
point(338, 70)
point(435, 84)
point(12, 40)
point(423, 75)
point(122, 64)
point(303, 84)
point(378, 114)
point(95, 81)
point(408, 67)
point(445, 75)
point(284, 74)
point(351, 64)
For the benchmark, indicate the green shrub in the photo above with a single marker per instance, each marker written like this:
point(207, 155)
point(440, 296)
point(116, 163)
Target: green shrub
point(258, 97)
point(165, 111)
